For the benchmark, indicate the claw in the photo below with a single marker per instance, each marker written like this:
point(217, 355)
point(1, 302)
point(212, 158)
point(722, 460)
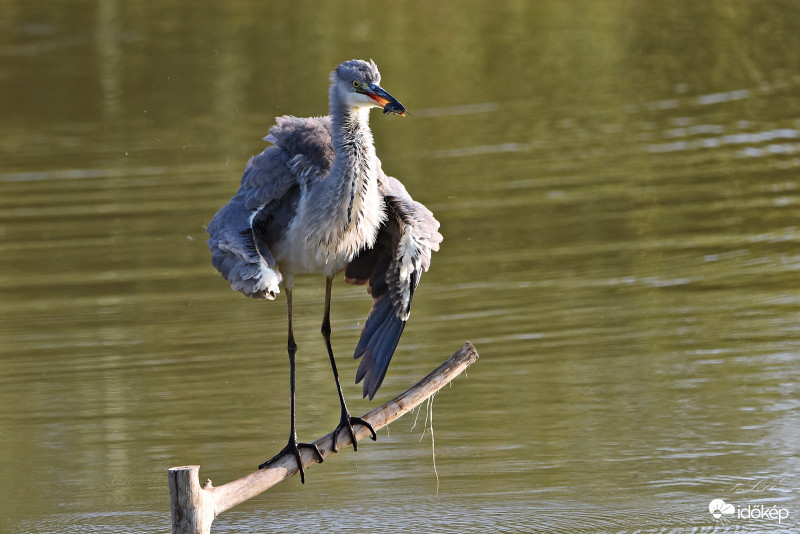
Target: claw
point(293, 448)
point(347, 423)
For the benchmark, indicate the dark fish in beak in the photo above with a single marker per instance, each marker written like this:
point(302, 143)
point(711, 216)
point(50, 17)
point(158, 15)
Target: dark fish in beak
point(394, 107)
point(389, 103)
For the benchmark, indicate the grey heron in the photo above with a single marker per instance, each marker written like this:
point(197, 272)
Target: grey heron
point(318, 201)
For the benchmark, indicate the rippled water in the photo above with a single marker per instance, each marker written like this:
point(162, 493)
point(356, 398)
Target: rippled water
point(618, 189)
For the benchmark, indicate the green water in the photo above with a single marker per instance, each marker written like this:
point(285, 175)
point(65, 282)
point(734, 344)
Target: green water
point(618, 189)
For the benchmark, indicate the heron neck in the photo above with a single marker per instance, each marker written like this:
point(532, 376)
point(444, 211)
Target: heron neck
point(352, 138)
point(354, 161)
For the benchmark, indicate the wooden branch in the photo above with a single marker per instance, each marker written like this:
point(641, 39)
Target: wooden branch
point(194, 507)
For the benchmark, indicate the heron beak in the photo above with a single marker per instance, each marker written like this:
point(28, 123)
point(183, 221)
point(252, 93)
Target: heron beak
point(389, 103)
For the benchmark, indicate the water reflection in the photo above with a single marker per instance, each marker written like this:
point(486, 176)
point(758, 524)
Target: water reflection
point(618, 190)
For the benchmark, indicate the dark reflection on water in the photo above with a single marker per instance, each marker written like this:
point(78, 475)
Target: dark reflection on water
point(617, 185)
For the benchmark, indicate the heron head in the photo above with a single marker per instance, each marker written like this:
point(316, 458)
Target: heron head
point(358, 84)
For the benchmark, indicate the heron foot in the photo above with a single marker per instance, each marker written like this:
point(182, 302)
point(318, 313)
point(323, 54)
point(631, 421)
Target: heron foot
point(293, 448)
point(347, 422)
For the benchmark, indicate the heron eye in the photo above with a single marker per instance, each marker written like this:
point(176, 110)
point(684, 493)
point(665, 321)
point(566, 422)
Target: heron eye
point(356, 84)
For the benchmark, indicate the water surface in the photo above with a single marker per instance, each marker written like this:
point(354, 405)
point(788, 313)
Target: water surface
point(618, 189)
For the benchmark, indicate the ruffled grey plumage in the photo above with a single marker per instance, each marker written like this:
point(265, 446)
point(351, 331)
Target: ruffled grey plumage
point(382, 266)
point(317, 200)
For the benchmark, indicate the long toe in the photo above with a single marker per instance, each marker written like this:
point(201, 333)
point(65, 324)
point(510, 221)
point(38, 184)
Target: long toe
point(315, 449)
point(358, 421)
point(293, 448)
point(347, 422)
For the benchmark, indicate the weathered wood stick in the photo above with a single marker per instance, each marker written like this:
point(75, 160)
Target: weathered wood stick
point(194, 507)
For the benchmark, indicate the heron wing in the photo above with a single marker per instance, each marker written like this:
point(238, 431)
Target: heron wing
point(241, 232)
point(393, 267)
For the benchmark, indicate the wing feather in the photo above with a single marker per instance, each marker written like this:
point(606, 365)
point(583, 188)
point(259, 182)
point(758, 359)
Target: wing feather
point(241, 232)
point(393, 266)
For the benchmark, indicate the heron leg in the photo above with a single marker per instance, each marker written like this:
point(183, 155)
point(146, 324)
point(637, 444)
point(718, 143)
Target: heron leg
point(346, 421)
point(293, 447)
